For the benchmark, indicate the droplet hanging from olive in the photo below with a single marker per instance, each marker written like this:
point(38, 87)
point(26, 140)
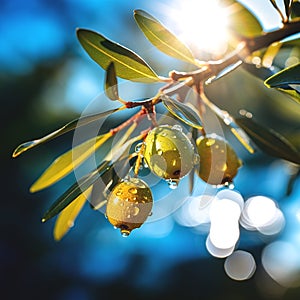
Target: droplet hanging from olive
point(129, 209)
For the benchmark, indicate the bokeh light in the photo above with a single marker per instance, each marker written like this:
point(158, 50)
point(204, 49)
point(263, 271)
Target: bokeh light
point(262, 214)
point(281, 260)
point(240, 265)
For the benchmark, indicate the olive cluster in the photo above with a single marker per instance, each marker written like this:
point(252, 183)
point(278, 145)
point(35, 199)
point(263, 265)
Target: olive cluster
point(170, 155)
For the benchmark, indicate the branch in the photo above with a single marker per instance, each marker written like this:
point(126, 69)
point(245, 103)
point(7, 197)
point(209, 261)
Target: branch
point(245, 48)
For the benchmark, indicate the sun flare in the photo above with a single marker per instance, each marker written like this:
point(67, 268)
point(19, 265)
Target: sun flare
point(202, 24)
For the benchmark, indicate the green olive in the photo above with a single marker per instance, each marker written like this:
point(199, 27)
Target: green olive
point(168, 152)
point(218, 162)
point(129, 205)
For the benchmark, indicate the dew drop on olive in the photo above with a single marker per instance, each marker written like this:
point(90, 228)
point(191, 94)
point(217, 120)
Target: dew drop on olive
point(129, 205)
point(169, 153)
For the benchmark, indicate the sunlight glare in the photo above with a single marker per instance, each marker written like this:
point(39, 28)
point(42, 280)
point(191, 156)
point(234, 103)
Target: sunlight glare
point(202, 24)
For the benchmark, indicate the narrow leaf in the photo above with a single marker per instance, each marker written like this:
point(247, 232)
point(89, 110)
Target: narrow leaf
point(228, 120)
point(67, 217)
point(68, 127)
point(269, 140)
point(67, 162)
point(182, 111)
point(293, 93)
point(162, 38)
point(282, 79)
point(111, 83)
point(295, 9)
point(128, 65)
point(74, 191)
point(241, 20)
point(108, 180)
point(287, 6)
point(224, 72)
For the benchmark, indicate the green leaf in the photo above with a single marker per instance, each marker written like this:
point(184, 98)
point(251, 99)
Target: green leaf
point(241, 20)
point(261, 72)
point(224, 72)
point(182, 111)
point(67, 162)
point(108, 180)
point(294, 94)
point(282, 79)
point(111, 83)
point(162, 38)
point(269, 140)
point(128, 65)
point(68, 127)
point(287, 6)
point(67, 217)
point(74, 191)
point(295, 9)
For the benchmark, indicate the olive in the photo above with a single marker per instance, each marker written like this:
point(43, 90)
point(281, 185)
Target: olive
point(218, 161)
point(129, 204)
point(169, 153)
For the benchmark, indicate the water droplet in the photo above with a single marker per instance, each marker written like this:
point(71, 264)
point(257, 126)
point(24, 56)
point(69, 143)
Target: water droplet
point(127, 199)
point(125, 233)
point(138, 147)
point(177, 127)
point(115, 227)
point(136, 211)
point(145, 164)
point(174, 161)
point(105, 215)
point(173, 184)
point(159, 152)
point(145, 197)
point(210, 142)
point(174, 136)
point(119, 192)
point(150, 214)
point(133, 191)
point(121, 204)
point(128, 216)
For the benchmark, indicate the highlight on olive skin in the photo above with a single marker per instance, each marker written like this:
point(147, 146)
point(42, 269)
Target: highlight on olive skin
point(129, 205)
point(219, 163)
point(169, 153)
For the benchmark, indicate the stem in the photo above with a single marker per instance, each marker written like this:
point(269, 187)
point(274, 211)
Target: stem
point(245, 48)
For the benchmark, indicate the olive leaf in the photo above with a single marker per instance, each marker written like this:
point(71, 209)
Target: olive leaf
point(287, 76)
point(287, 6)
point(295, 9)
point(68, 127)
point(67, 162)
point(269, 140)
point(241, 20)
point(224, 72)
point(182, 111)
point(111, 83)
point(108, 180)
point(162, 38)
point(74, 191)
point(228, 120)
point(293, 93)
point(128, 65)
point(67, 217)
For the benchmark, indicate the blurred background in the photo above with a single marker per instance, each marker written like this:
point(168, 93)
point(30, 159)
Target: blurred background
point(46, 80)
